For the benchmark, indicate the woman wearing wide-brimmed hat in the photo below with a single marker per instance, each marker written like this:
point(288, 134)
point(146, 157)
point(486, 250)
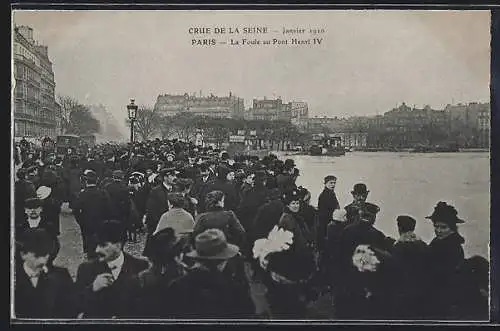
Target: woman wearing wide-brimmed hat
point(446, 251)
point(208, 290)
point(166, 265)
point(445, 255)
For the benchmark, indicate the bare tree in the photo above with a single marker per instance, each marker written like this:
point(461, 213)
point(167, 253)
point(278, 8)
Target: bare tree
point(68, 104)
point(180, 126)
point(147, 122)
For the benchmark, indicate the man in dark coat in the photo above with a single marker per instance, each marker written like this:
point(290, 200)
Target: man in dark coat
point(359, 194)
point(104, 284)
point(23, 189)
point(158, 203)
point(327, 203)
point(35, 219)
point(410, 254)
point(225, 184)
point(95, 164)
point(119, 197)
point(91, 208)
point(201, 187)
point(139, 191)
point(41, 289)
point(255, 197)
point(208, 291)
point(285, 180)
point(268, 215)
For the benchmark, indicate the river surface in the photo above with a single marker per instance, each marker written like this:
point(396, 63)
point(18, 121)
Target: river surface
point(411, 184)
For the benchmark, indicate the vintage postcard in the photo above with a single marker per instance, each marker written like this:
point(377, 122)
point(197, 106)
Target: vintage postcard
point(250, 165)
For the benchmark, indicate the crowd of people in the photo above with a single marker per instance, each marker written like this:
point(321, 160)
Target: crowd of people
point(215, 224)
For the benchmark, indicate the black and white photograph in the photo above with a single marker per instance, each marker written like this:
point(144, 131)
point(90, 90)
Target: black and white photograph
point(250, 165)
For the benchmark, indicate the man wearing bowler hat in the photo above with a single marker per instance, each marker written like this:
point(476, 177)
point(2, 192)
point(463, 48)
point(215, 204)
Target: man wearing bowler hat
point(207, 291)
point(359, 194)
point(104, 284)
point(41, 290)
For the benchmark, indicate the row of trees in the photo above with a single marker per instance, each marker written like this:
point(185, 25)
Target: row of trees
point(150, 123)
point(428, 135)
point(76, 118)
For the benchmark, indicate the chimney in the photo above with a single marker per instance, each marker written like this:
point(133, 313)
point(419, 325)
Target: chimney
point(26, 32)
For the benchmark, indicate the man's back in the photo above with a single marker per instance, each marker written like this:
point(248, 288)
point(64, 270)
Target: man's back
point(208, 294)
point(91, 206)
point(119, 197)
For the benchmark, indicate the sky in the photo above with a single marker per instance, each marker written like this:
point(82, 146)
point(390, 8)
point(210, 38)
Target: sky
point(368, 62)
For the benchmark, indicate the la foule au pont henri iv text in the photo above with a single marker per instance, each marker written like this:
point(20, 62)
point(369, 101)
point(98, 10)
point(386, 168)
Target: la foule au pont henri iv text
point(202, 36)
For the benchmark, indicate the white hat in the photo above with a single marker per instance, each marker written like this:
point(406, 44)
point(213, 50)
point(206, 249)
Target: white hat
point(339, 215)
point(43, 192)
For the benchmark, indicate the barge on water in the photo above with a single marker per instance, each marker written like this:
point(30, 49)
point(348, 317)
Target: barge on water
point(327, 146)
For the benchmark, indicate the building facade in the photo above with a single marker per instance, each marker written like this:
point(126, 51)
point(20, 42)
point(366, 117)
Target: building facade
point(300, 114)
point(326, 124)
point(210, 106)
point(483, 124)
point(35, 107)
point(271, 110)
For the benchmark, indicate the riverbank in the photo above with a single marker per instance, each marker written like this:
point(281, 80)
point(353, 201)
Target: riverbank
point(401, 150)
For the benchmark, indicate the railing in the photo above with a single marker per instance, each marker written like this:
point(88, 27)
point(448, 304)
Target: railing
point(30, 117)
point(28, 61)
point(24, 116)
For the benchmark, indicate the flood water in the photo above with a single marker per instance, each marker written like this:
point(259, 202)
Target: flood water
point(411, 184)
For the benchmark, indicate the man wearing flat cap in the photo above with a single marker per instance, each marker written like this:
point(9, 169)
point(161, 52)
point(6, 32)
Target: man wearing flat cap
point(208, 291)
point(104, 284)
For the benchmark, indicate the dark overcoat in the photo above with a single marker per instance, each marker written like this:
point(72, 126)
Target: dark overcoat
point(114, 300)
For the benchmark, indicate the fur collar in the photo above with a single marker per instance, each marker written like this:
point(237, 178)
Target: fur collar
point(408, 237)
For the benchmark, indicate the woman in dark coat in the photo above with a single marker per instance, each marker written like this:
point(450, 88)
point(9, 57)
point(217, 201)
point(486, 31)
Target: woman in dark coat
point(165, 267)
point(291, 270)
point(445, 255)
point(217, 217)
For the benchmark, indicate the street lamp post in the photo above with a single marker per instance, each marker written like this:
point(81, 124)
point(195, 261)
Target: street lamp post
point(132, 115)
